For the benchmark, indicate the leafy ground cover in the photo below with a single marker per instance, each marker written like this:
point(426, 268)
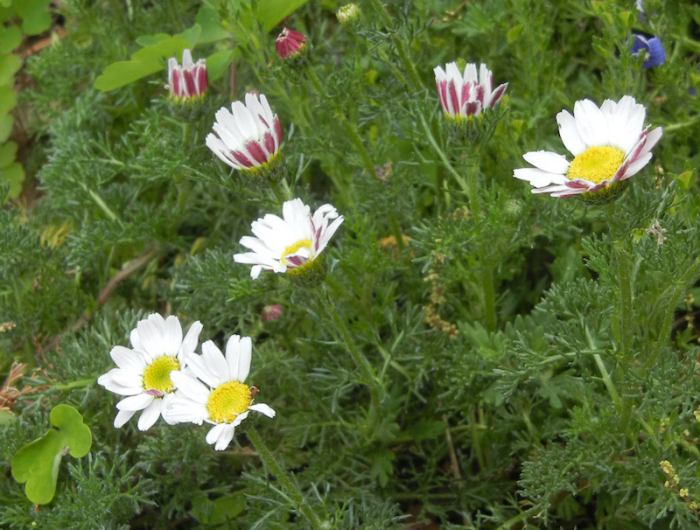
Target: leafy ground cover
point(463, 353)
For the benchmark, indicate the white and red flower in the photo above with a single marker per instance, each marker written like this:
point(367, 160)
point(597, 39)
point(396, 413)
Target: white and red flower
point(290, 244)
point(247, 138)
point(465, 95)
point(290, 44)
point(189, 80)
point(610, 144)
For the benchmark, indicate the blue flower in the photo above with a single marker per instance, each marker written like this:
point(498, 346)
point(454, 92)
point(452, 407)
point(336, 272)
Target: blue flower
point(655, 54)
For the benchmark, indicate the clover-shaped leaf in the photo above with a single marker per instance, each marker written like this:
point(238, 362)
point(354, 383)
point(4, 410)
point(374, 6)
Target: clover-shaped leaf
point(37, 463)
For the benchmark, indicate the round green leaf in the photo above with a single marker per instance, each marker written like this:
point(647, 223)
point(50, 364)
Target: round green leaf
point(272, 12)
point(10, 38)
point(6, 123)
point(8, 153)
point(38, 462)
point(9, 66)
point(35, 17)
point(8, 99)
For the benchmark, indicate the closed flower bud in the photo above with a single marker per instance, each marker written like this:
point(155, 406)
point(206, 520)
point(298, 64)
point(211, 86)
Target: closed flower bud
point(271, 312)
point(188, 81)
point(349, 16)
point(291, 45)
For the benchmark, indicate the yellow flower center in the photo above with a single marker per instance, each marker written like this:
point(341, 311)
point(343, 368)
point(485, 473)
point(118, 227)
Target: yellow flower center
point(157, 375)
point(596, 164)
point(302, 243)
point(228, 401)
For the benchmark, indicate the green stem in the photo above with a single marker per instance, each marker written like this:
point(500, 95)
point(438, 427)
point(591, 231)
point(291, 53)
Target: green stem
point(462, 183)
point(414, 80)
point(80, 383)
point(397, 232)
point(622, 259)
point(476, 442)
point(287, 483)
point(487, 285)
point(360, 360)
point(607, 381)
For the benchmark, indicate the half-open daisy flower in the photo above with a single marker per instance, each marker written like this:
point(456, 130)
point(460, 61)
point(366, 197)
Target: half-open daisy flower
point(247, 138)
point(290, 244)
point(188, 81)
point(222, 399)
point(610, 144)
point(144, 372)
point(465, 95)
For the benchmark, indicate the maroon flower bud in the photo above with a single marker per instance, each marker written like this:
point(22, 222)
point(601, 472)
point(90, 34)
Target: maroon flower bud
point(290, 44)
point(271, 312)
point(188, 81)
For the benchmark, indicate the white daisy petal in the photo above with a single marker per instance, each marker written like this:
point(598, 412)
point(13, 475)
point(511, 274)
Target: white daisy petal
point(263, 409)
point(239, 419)
point(190, 387)
point(189, 344)
point(216, 362)
point(172, 336)
point(138, 402)
point(225, 437)
point(128, 359)
point(591, 124)
point(150, 415)
point(213, 434)
point(569, 133)
point(548, 161)
point(122, 417)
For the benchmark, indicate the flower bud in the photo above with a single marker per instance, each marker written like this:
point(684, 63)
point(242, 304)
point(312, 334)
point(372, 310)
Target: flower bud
point(350, 16)
point(189, 81)
point(291, 45)
point(271, 312)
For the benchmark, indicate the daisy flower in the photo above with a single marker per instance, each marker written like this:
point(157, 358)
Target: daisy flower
point(249, 137)
point(610, 144)
point(188, 81)
point(290, 244)
point(465, 95)
point(144, 372)
point(220, 398)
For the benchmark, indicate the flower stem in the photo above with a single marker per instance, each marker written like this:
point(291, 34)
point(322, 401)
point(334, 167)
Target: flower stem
point(287, 483)
point(487, 285)
point(360, 360)
point(414, 80)
point(367, 161)
point(626, 304)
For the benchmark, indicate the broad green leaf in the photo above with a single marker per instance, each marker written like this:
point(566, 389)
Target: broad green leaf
point(5, 3)
point(37, 463)
point(144, 62)
point(217, 64)
point(272, 12)
point(14, 174)
point(8, 153)
point(427, 429)
point(191, 35)
point(10, 38)
point(150, 40)
point(8, 99)
point(9, 66)
point(219, 511)
point(210, 23)
point(6, 123)
point(35, 17)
